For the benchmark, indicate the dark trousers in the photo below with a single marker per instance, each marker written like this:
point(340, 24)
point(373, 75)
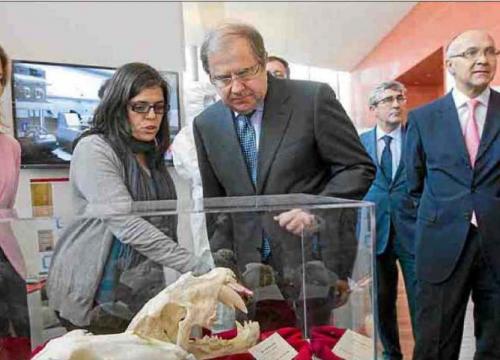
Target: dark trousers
point(387, 292)
point(441, 308)
point(13, 301)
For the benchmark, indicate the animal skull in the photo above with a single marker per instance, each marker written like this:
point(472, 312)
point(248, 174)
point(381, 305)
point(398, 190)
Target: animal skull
point(191, 302)
point(82, 345)
point(162, 329)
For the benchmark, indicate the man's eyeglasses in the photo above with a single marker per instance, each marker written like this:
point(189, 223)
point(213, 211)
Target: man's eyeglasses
point(143, 107)
point(473, 53)
point(401, 99)
point(278, 74)
point(222, 81)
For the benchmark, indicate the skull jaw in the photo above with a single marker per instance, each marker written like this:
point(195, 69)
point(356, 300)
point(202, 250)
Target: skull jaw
point(213, 347)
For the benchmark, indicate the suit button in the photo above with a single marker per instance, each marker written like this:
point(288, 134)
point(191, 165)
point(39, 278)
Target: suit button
point(466, 215)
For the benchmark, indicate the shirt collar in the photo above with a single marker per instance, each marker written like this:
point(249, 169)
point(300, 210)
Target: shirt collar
point(258, 109)
point(461, 99)
point(395, 134)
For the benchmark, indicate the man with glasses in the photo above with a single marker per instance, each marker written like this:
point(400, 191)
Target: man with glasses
point(268, 136)
point(278, 67)
point(453, 171)
point(395, 214)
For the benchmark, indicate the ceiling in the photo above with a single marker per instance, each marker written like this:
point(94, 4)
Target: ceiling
point(336, 35)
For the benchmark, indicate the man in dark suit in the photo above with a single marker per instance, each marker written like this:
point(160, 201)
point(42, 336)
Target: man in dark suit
point(453, 171)
point(395, 214)
point(271, 136)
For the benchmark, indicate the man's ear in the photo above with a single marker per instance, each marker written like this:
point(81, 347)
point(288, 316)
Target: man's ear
point(449, 66)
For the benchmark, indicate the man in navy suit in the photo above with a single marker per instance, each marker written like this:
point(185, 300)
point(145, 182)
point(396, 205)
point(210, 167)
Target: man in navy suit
point(395, 214)
point(453, 171)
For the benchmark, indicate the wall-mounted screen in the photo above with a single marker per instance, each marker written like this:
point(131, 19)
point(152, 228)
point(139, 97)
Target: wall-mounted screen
point(54, 103)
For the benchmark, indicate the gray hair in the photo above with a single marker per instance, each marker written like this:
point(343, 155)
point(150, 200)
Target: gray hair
point(216, 39)
point(376, 94)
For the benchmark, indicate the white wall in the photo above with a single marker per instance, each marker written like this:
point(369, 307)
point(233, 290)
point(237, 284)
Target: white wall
point(106, 34)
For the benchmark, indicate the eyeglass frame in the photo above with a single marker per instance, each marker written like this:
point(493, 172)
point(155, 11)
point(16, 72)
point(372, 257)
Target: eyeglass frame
point(218, 81)
point(400, 99)
point(166, 107)
point(476, 53)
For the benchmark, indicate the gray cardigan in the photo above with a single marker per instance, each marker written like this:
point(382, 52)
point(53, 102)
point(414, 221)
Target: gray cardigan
point(96, 179)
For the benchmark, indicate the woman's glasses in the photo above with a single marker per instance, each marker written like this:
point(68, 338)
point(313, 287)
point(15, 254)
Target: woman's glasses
point(143, 107)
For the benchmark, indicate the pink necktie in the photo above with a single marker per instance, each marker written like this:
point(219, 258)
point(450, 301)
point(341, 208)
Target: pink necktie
point(471, 134)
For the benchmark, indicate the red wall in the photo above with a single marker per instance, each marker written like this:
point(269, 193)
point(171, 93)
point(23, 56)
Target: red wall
point(419, 95)
point(426, 28)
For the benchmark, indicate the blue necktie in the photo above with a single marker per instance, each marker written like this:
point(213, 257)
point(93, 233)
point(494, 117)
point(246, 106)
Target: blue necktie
point(386, 159)
point(248, 143)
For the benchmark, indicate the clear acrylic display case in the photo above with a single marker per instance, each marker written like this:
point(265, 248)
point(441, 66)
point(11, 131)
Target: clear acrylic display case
point(317, 281)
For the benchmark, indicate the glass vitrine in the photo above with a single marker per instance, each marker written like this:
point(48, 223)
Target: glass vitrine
point(311, 282)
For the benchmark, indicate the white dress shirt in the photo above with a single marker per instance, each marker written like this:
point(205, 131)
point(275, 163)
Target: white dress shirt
point(461, 100)
point(395, 146)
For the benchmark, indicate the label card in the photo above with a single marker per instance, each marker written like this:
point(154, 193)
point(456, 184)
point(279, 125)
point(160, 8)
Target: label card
point(274, 347)
point(354, 346)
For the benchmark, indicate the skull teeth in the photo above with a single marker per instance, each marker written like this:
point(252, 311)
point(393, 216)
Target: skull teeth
point(228, 296)
point(216, 341)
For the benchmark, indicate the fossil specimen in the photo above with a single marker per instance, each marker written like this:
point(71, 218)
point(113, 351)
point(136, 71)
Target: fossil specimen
point(163, 327)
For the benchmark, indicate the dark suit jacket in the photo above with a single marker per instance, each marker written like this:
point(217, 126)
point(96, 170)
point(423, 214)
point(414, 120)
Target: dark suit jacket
point(307, 145)
point(447, 188)
point(393, 205)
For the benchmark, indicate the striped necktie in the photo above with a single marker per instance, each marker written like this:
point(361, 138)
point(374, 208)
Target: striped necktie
point(248, 143)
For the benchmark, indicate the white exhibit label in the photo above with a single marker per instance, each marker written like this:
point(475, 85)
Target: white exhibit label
point(272, 348)
point(354, 346)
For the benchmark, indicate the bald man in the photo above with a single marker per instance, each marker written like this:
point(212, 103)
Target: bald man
point(453, 173)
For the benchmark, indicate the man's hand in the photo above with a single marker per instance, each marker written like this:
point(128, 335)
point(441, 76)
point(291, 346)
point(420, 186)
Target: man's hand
point(296, 221)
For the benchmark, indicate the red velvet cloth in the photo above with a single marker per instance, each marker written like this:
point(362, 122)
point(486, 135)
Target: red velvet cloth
point(15, 348)
point(323, 339)
point(38, 349)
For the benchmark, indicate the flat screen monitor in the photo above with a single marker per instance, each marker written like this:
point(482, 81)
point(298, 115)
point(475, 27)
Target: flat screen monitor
point(54, 103)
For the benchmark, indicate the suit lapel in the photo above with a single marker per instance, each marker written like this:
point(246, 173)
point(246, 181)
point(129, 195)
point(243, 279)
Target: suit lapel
point(491, 125)
point(399, 170)
point(388, 180)
point(274, 124)
point(451, 130)
point(371, 148)
point(372, 151)
point(230, 147)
